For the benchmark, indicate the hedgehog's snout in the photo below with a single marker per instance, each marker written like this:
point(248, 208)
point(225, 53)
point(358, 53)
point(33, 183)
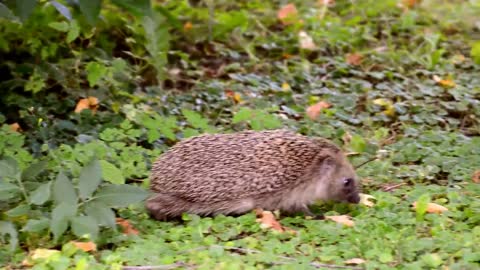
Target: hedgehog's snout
point(350, 190)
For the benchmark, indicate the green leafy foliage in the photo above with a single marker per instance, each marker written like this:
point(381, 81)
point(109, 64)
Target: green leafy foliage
point(177, 69)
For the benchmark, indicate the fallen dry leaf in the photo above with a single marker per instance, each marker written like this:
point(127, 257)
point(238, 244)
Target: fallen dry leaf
point(387, 104)
point(267, 221)
point(433, 208)
point(458, 59)
point(365, 200)
point(85, 246)
point(476, 177)
point(236, 97)
point(355, 261)
point(43, 253)
point(447, 83)
point(287, 14)
point(354, 59)
point(325, 2)
point(410, 3)
point(285, 86)
point(187, 26)
point(314, 111)
point(15, 127)
point(306, 41)
point(343, 219)
point(87, 103)
point(127, 228)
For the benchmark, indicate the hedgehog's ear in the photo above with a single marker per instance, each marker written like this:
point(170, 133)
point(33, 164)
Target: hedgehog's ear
point(328, 164)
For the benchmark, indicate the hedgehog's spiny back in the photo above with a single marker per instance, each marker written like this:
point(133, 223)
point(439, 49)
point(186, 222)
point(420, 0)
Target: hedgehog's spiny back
point(210, 168)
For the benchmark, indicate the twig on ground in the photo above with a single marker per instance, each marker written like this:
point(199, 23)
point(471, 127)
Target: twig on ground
point(390, 188)
point(159, 267)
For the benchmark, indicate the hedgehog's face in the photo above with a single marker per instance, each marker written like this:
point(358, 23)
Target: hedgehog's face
point(343, 181)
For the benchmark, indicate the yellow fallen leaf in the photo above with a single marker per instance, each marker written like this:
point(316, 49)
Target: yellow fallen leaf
point(85, 246)
point(447, 83)
point(365, 200)
point(306, 41)
point(285, 86)
point(355, 261)
point(314, 111)
point(343, 219)
point(187, 26)
point(287, 14)
point(267, 221)
point(236, 97)
point(433, 208)
point(387, 104)
point(43, 253)
point(87, 103)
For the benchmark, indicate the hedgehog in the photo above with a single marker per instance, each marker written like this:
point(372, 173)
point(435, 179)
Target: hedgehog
point(232, 174)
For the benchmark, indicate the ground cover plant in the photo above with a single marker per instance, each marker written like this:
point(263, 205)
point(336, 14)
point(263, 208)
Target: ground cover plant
point(94, 91)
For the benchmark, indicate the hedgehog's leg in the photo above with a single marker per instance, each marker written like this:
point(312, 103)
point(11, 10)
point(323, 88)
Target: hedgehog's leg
point(165, 207)
point(301, 209)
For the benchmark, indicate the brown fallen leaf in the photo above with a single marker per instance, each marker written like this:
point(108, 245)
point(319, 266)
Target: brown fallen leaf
point(343, 219)
point(314, 111)
point(15, 127)
point(85, 246)
point(354, 59)
point(87, 103)
point(267, 221)
point(476, 177)
point(410, 3)
point(127, 228)
point(355, 261)
point(287, 14)
point(306, 41)
point(433, 208)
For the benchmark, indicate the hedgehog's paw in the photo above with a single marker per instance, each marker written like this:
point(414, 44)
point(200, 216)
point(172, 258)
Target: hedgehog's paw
point(164, 207)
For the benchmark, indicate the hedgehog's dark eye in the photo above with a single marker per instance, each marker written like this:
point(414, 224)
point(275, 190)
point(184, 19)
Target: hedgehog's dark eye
point(347, 182)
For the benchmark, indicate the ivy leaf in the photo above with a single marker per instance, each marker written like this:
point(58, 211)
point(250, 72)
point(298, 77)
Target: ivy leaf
point(120, 195)
point(59, 26)
point(36, 225)
point(103, 215)
point(8, 191)
point(475, 52)
point(8, 168)
point(111, 173)
point(61, 215)
point(41, 194)
point(74, 31)
point(195, 119)
point(91, 10)
point(95, 71)
point(358, 144)
point(63, 190)
point(85, 225)
point(7, 227)
point(24, 8)
point(62, 9)
point(90, 178)
point(137, 7)
point(243, 114)
point(33, 170)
